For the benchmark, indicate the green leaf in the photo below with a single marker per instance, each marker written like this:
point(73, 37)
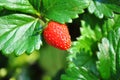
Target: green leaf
point(116, 22)
point(82, 42)
point(100, 8)
point(114, 5)
point(63, 10)
point(17, 34)
point(83, 59)
point(18, 5)
point(75, 73)
point(109, 53)
point(114, 39)
point(88, 39)
point(104, 58)
point(36, 4)
point(115, 8)
point(87, 31)
point(110, 24)
point(92, 30)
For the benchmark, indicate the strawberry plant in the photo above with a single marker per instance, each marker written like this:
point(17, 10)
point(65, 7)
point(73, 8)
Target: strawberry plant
point(63, 39)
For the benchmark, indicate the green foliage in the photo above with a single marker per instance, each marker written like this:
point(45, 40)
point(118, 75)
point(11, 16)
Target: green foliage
point(91, 33)
point(107, 66)
point(22, 18)
point(103, 8)
point(95, 55)
point(81, 67)
point(78, 74)
point(36, 4)
point(109, 54)
point(17, 34)
point(18, 5)
point(104, 59)
point(63, 10)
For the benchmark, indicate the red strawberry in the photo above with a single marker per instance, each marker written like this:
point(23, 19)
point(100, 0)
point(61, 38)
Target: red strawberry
point(57, 35)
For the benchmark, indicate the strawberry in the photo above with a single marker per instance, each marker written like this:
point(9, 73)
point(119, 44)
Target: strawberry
point(57, 35)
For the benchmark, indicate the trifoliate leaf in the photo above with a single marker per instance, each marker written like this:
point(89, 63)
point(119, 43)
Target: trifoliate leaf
point(63, 10)
point(18, 5)
point(100, 8)
point(17, 34)
point(75, 73)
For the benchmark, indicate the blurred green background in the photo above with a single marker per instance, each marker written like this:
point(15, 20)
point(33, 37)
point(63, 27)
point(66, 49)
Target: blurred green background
point(46, 64)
